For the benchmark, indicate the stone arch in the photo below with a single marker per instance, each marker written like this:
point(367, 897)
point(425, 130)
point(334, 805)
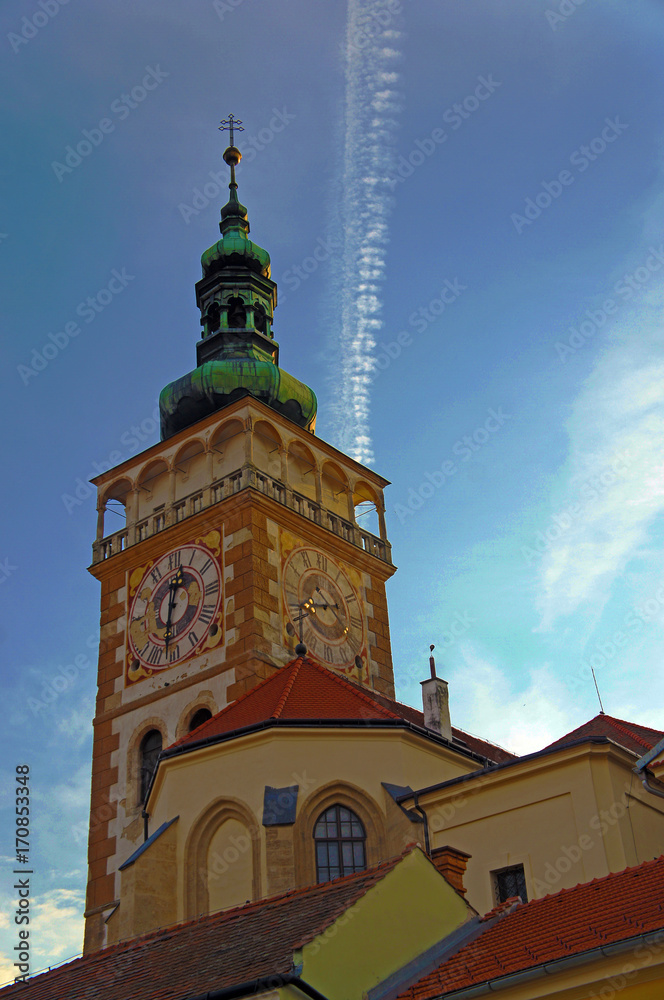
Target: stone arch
point(204, 699)
point(341, 793)
point(153, 487)
point(201, 869)
point(190, 465)
point(268, 447)
point(114, 502)
point(302, 470)
point(133, 795)
point(335, 489)
point(366, 503)
point(228, 448)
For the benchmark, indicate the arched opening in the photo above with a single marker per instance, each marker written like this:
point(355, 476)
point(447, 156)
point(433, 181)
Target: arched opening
point(151, 745)
point(302, 470)
point(190, 470)
point(237, 313)
point(365, 503)
point(153, 493)
point(115, 507)
point(198, 718)
point(340, 840)
point(260, 319)
point(212, 319)
point(267, 445)
point(335, 490)
point(228, 448)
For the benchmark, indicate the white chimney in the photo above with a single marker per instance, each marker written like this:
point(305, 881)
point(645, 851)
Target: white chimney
point(436, 703)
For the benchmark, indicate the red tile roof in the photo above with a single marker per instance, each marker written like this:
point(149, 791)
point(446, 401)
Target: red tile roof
point(627, 734)
point(299, 691)
point(210, 953)
point(482, 747)
point(600, 912)
point(305, 690)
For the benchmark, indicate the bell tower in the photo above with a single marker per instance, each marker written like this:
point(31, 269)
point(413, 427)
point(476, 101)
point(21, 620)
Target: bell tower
point(240, 539)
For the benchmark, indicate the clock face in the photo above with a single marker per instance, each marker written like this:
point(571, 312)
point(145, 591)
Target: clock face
point(174, 607)
point(318, 588)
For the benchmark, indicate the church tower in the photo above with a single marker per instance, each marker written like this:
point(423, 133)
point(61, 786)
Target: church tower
point(240, 540)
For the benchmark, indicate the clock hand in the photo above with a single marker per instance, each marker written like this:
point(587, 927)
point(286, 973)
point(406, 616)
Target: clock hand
point(173, 588)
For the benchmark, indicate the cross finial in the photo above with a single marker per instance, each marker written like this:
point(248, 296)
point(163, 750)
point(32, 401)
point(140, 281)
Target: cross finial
point(231, 123)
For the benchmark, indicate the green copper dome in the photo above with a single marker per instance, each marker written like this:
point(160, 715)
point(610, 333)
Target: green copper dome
point(237, 354)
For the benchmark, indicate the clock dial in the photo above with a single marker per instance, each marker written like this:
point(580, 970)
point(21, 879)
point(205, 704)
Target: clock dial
point(319, 589)
point(174, 607)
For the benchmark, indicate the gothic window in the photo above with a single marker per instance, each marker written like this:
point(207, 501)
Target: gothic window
point(150, 750)
point(237, 314)
point(199, 717)
point(509, 882)
point(340, 844)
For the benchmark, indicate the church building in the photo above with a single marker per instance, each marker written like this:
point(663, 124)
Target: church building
point(266, 818)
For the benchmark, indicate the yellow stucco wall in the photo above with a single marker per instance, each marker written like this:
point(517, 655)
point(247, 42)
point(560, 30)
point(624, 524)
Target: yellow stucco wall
point(405, 913)
point(232, 776)
point(566, 817)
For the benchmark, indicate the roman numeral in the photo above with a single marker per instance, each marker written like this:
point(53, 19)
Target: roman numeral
point(174, 653)
point(350, 597)
point(155, 655)
point(355, 622)
point(212, 588)
point(175, 559)
point(321, 561)
point(304, 556)
point(327, 652)
point(193, 638)
point(206, 567)
point(206, 613)
point(156, 575)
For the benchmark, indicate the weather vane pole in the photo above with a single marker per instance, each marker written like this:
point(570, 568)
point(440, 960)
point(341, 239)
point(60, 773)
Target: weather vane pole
point(231, 123)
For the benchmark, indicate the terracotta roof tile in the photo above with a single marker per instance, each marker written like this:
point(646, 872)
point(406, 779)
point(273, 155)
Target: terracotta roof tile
point(210, 953)
point(628, 734)
point(603, 911)
point(301, 690)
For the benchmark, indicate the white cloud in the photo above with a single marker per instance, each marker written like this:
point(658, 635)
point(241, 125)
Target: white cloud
point(56, 931)
point(615, 471)
point(523, 720)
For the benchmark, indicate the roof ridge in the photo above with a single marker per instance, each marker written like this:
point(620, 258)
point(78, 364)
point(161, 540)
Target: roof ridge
point(622, 725)
point(278, 672)
point(294, 671)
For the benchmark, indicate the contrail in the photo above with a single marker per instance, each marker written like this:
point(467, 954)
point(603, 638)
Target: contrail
point(369, 129)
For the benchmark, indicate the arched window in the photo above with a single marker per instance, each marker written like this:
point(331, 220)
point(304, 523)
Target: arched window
point(150, 750)
point(199, 717)
point(340, 844)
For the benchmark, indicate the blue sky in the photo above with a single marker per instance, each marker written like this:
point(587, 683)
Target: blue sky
point(497, 353)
